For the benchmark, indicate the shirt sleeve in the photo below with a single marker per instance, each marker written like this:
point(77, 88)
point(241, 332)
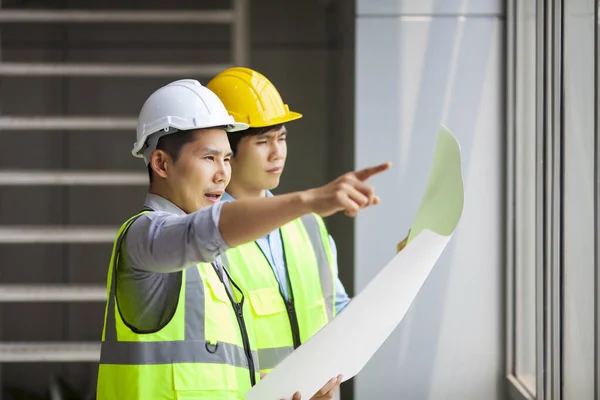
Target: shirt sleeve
point(341, 297)
point(162, 242)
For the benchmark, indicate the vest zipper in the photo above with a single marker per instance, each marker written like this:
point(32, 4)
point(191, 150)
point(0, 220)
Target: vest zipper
point(291, 310)
point(239, 314)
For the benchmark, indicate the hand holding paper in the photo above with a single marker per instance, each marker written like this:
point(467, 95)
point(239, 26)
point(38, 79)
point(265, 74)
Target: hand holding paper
point(352, 338)
point(325, 393)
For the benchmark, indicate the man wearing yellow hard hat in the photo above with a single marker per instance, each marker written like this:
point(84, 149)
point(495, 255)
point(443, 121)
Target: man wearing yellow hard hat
point(290, 276)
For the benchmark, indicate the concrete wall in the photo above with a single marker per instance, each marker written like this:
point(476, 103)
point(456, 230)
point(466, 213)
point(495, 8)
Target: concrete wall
point(420, 64)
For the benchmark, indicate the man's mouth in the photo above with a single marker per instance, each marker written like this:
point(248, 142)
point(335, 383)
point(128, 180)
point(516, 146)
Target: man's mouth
point(276, 170)
point(214, 197)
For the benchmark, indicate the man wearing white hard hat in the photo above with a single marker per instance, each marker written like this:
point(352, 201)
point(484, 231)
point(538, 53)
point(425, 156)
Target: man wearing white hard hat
point(176, 325)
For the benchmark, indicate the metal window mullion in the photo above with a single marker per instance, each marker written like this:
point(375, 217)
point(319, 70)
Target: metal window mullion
point(597, 197)
point(117, 16)
point(540, 201)
point(550, 266)
point(510, 189)
point(516, 390)
point(556, 245)
point(547, 234)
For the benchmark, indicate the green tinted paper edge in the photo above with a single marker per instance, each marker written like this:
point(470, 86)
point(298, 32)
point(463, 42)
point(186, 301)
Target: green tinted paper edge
point(443, 201)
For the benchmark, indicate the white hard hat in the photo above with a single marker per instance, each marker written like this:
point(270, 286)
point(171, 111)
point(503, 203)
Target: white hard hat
point(181, 105)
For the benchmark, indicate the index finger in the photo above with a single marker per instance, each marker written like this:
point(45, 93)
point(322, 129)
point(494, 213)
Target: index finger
point(366, 173)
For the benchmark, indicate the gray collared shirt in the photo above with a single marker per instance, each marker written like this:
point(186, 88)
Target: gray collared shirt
point(157, 246)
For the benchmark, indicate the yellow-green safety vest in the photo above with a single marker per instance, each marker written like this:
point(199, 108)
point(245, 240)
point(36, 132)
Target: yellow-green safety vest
point(203, 352)
point(280, 326)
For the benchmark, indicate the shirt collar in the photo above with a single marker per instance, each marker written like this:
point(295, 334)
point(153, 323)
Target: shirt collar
point(158, 203)
point(227, 197)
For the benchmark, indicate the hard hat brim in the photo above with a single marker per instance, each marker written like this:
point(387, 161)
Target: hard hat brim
point(237, 126)
point(138, 148)
point(289, 117)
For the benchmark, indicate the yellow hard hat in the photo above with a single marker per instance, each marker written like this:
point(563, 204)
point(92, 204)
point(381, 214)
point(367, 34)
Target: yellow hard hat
point(251, 98)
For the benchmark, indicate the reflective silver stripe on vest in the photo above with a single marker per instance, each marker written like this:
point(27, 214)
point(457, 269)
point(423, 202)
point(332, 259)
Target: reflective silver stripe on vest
point(194, 349)
point(269, 358)
point(173, 352)
point(194, 305)
point(325, 274)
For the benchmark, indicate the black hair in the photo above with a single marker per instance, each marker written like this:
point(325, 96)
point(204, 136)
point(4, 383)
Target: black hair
point(236, 137)
point(172, 145)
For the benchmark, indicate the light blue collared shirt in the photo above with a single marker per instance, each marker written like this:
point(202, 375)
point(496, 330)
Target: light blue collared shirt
point(272, 247)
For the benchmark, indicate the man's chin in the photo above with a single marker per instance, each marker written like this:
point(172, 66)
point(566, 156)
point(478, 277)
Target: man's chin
point(206, 203)
point(272, 184)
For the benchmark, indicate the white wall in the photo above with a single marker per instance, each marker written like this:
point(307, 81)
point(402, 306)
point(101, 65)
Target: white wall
point(420, 64)
point(578, 197)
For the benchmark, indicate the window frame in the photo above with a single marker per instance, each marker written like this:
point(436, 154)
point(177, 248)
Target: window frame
point(549, 175)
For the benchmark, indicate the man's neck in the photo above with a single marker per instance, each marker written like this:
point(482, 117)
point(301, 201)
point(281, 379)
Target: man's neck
point(240, 192)
point(160, 190)
point(155, 190)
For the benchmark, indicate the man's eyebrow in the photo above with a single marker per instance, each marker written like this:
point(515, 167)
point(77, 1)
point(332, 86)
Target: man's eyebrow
point(271, 134)
point(210, 150)
point(214, 152)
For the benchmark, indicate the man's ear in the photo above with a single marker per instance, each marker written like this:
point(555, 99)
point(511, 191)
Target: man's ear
point(159, 160)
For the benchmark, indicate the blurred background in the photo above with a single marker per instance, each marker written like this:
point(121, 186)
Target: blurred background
point(511, 310)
